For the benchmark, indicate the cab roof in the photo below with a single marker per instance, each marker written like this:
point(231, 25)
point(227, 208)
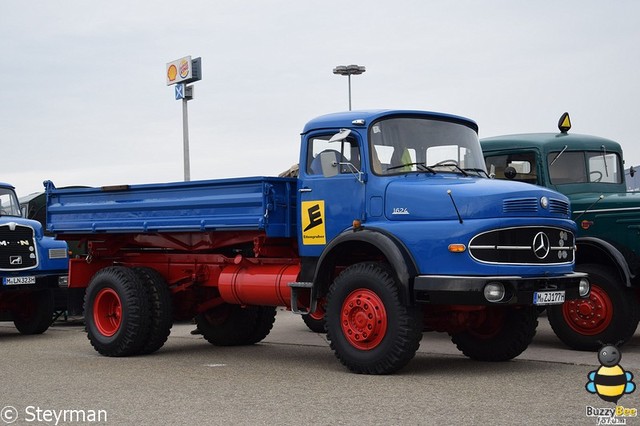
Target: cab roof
point(549, 142)
point(346, 119)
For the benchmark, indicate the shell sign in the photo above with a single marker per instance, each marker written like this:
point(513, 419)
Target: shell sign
point(179, 70)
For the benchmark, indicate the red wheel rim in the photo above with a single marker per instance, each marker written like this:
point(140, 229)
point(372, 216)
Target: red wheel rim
point(318, 314)
point(589, 316)
point(363, 319)
point(107, 312)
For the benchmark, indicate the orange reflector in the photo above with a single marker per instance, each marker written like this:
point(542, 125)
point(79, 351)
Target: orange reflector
point(457, 248)
point(356, 224)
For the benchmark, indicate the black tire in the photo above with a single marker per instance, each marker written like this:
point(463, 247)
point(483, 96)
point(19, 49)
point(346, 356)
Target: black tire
point(503, 335)
point(316, 321)
point(228, 325)
point(160, 307)
point(609, 316)
point(317, 325)
point(36, 314)
point(266, 316)
point(370, 330)
point(116, 312)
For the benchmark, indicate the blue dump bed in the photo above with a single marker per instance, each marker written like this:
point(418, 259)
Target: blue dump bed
point(259, 203)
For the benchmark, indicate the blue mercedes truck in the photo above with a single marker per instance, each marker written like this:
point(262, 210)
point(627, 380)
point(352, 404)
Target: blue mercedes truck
point(32, 268)
point(390, 227)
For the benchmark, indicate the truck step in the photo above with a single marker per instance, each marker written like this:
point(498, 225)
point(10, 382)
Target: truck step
point(295, 287)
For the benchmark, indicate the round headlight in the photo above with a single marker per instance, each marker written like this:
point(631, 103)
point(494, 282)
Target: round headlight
point(583, 289)
point(544, 202)
point(494, 292)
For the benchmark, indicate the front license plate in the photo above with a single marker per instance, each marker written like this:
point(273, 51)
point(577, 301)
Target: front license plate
point(548, 297)
point(18, 280)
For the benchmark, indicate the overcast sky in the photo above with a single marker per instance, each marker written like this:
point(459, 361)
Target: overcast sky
point(84, 99)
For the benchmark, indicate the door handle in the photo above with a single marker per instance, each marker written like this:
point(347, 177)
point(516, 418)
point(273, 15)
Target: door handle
point(304, 190)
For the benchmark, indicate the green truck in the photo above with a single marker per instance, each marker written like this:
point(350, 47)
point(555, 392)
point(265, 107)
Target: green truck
point(590, 171)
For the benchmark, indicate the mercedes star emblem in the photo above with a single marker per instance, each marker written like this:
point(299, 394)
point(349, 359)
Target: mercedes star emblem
point(541, 245)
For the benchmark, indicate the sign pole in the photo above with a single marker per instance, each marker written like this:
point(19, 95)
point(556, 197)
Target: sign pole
point(185, 140)
point(179, 73)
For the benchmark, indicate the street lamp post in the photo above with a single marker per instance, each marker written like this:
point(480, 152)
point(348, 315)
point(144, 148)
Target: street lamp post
point(349, 70)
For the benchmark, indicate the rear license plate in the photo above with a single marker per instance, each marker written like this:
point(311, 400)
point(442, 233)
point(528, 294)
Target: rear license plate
point(548, 297)
point(18, 280)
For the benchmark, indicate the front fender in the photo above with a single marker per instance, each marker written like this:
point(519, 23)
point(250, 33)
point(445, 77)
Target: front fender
point(396, 254)
point(596, 250)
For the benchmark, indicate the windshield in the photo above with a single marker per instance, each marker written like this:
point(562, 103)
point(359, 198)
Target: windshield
point(584, 166)
point(8, 203)
point(402, 145)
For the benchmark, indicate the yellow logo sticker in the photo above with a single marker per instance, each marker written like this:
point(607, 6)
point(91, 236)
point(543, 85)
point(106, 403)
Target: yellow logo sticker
point(313, 230)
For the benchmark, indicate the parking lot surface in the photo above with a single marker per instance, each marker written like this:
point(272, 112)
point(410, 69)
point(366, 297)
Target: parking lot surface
point(292, 377)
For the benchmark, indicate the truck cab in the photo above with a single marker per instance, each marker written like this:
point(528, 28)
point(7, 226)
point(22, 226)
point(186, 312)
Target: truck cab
point(590, 171)
point(32, 266)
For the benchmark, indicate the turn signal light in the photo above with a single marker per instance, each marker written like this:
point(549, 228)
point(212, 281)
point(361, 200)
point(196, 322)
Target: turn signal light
point(457, 248)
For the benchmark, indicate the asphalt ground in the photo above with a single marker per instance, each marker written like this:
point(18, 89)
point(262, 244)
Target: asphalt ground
point(293, 378)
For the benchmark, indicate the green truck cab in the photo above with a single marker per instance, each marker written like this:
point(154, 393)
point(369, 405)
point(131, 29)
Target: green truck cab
point(590, 171)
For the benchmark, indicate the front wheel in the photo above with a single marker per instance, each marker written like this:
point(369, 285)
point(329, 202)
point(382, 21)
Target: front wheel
point(371, 331)
point(35, 314)
point(609, 316)
point(498, 334)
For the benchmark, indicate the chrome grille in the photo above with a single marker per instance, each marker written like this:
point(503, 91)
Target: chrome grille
point(524, 246)
point(17, 248)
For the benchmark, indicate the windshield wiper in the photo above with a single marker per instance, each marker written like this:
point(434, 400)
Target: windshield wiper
point(421, 166)
point(604, 159)
point(478, 171)
point(558, 156)
point(450, 165)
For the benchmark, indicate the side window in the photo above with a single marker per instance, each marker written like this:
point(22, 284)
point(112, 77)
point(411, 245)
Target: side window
point(524, 165)
point(323, 155)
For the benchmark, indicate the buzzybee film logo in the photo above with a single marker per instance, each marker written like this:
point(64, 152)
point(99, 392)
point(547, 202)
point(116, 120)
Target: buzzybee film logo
point(610, 382)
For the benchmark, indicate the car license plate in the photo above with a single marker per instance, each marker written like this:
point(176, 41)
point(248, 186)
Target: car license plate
point(18, 280)
point(548, 297)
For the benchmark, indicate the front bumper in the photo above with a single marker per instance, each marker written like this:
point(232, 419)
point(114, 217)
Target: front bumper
point(52, 280)
point(469, 290)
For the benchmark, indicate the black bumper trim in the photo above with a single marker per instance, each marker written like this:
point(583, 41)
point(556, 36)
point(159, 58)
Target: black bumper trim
point(469, 290)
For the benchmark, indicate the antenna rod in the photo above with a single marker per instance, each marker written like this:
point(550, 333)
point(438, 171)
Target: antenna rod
point(454, 205)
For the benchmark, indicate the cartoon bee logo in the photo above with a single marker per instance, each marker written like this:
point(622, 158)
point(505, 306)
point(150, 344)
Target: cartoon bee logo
point(610, 381)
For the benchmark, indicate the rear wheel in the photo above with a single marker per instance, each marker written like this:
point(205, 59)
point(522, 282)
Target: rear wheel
point(117, 313)
point(266, 316)
point(315, 321)
point(234, 325)
point(36, 312)
point(371, 331)
point(160, 306)
point(499, 334)
point(609, 316)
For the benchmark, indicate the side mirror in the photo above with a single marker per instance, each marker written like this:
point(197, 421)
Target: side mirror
point(510, 172)
point(342, 135)
point(329, 163)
